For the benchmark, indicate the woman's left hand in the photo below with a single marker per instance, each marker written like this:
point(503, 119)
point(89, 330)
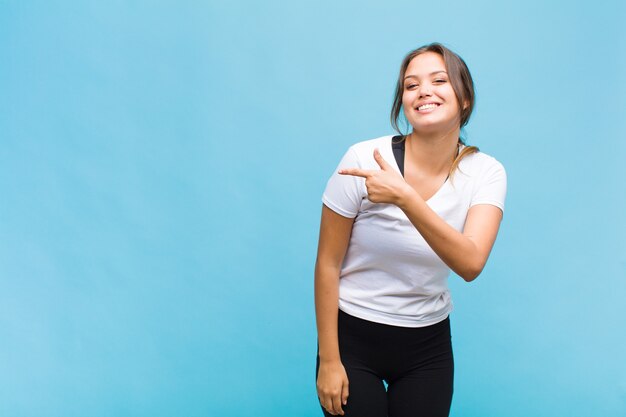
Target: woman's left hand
point(383, 186)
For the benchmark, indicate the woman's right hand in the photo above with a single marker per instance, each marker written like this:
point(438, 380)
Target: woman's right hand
point(332, 386)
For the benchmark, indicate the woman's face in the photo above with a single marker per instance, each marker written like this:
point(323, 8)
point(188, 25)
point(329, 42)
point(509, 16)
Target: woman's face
point(429, 102)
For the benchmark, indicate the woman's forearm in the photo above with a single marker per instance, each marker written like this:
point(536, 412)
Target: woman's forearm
point(457, 251)
point(326, 311)
point(335, 233)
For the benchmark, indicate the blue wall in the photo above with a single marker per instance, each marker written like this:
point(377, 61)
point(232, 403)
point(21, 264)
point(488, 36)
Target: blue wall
point(161, 167)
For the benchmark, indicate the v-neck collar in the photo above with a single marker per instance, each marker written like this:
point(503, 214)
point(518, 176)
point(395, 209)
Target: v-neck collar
point(398, 149)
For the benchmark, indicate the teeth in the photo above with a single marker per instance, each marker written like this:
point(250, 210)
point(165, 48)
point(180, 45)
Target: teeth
point(427, 106)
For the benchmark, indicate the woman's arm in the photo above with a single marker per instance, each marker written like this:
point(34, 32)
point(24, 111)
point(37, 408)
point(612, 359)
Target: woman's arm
point(332, 381)
point(465, 253)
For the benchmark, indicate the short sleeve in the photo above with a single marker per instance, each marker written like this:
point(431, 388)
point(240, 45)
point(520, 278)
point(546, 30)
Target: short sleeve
point(491, 187)
point(344, 193)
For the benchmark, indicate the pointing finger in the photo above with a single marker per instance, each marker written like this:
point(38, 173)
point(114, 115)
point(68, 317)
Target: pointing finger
point(381, 161)
point(355, 171)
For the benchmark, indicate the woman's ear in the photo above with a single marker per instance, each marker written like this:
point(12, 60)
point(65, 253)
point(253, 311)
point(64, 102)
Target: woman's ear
point(465, 104)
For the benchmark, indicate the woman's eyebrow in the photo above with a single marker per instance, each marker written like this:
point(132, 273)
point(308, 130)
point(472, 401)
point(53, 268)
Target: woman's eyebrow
point(432, 73)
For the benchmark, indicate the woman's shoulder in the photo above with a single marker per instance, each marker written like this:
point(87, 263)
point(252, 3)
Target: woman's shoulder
point(368, 146)
point(363, 152)
point(479, 162)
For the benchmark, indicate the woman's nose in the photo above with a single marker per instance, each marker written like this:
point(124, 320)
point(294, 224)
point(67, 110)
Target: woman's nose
point(425, 90)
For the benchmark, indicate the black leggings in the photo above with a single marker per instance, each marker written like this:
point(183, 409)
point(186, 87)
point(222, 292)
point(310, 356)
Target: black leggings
point(416, 363)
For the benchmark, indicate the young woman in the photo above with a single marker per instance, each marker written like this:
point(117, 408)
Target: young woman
point(399, 214)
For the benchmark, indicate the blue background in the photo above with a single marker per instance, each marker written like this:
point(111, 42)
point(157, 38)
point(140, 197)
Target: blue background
point(161, 167)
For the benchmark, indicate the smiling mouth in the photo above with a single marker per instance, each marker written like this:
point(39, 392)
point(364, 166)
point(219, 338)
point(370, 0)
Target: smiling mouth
point(427, 106)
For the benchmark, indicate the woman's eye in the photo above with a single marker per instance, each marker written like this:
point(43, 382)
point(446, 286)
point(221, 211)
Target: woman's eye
point(440, 81)
point(409, 86)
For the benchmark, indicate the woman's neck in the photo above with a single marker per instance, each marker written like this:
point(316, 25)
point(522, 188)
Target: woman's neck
point(433, 153)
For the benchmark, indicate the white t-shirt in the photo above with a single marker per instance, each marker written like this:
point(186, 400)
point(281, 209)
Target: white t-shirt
point(390, 274)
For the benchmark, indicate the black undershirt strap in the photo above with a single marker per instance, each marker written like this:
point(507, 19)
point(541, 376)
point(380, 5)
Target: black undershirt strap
point(397, 144)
